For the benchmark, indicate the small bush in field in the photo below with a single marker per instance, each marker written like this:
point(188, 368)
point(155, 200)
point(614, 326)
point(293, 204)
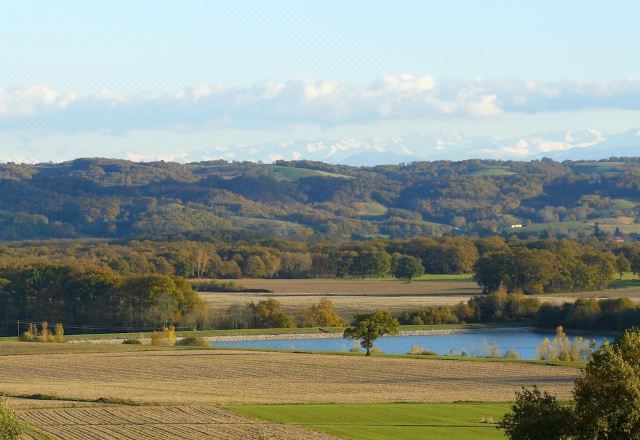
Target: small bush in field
point(27, 337)
point(376, 350)
point(169, 335)
point(416, 349)
point(156, 338)
point(193, 341)
point(511, 354)
point(356, 348)
point(59, 333)
point(132, 342)
point(429, 353)
point(45, 333)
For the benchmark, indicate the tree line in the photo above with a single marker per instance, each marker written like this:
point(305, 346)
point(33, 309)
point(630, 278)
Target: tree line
point(95, 299)
point(532, 266)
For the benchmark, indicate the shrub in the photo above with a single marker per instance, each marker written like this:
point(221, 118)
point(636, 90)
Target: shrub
point(322, 315)
point(416, 349)
point(536, 416)
point(561, 348)
point(511, 354)
point(193, 341)
point(45, 333)
point(428, 353)
point(10, 426)
point(26, 337)
point(59, 333)
point(132, 342)
point(169, 335)
point(376, 350)
point(156, 338)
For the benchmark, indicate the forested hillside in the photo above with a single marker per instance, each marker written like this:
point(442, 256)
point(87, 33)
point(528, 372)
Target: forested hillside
point(103, 198)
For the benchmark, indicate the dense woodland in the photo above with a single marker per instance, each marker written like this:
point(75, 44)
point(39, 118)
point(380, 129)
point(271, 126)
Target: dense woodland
point(531, 266)
point(310, 201)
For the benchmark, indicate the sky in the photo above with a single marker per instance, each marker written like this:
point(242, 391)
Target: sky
point(192, 79)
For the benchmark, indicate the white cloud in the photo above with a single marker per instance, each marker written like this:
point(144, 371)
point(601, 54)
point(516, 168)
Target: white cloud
point(270, 105)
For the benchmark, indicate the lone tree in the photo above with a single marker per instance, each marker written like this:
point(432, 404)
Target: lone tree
point(407, 267)
point(370, 326)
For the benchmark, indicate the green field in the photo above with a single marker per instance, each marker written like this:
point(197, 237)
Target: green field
point(291, 174)
point(493, 171)
point(598, 167)
point(393, 421)
point(370, 209)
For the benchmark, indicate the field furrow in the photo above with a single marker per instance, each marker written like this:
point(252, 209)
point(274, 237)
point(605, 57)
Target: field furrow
point(157, 422)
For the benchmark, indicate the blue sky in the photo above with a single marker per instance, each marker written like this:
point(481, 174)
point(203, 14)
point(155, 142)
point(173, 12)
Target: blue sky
point(145, 76)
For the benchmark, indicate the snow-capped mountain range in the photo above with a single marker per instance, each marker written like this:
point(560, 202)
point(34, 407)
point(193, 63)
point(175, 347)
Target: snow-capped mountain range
point(414, 146)
point(559, 145)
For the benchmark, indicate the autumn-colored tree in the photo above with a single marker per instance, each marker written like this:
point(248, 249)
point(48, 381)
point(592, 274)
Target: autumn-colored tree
point(270, 314)
point(59, 333)
point(322, 315)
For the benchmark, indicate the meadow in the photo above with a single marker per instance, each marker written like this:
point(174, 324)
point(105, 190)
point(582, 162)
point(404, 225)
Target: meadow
point(390, 421)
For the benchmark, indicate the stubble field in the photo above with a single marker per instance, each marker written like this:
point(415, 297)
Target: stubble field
point(223, 377)
point(356, 296)
point(108, 422)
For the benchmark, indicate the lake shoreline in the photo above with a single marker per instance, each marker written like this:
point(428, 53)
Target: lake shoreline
point(326, 335)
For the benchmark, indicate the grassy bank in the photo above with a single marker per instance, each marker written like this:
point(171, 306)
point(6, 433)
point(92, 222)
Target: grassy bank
point(392, 421)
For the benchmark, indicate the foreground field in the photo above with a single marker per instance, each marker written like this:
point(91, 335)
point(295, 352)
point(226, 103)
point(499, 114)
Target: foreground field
point(435, 421)
point(107, 422)
point(225, 377)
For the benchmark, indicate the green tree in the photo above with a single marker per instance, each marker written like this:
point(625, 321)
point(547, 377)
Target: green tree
point(369, 327)
point(608, 393)
point(254, 267)
point(407, 267)
point(537, 416)
point(622, 265)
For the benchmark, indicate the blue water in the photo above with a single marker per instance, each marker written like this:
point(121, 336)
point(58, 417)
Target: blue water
point(474, 343)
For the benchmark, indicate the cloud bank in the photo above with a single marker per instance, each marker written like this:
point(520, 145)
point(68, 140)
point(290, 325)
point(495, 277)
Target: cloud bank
point(269, 105)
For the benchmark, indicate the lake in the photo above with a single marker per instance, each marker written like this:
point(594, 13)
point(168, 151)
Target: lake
point(473, 342)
